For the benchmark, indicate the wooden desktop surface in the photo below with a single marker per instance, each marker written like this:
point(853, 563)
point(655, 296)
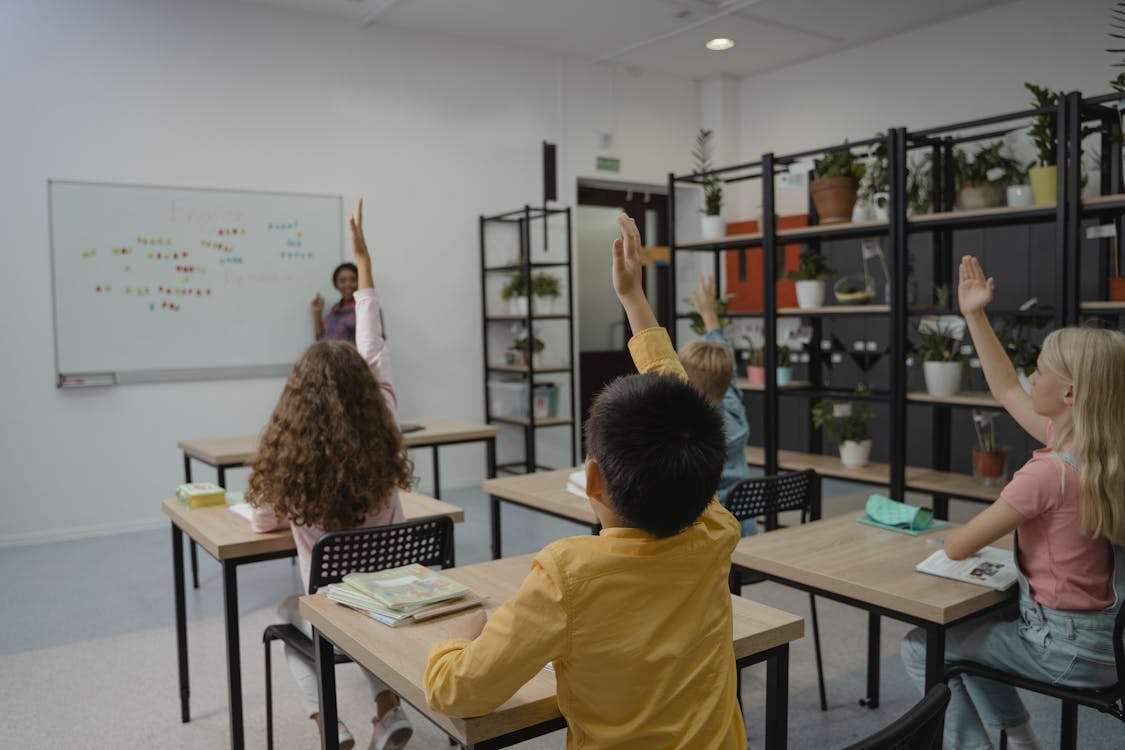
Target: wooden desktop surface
point(226, 535)
point(868, 564)
point(544, 490)
point(398, 655)
point(241, 450)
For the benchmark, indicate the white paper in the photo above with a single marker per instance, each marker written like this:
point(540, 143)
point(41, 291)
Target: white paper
point(241, 509)
point(991, 567)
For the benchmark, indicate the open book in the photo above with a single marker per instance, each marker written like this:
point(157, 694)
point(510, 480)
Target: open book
point(992, 567)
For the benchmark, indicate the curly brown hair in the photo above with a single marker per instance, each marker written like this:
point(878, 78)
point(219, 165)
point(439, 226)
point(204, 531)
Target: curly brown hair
point(331, 453)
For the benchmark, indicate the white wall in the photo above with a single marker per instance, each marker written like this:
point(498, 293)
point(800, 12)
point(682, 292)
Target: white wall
point(959, 70)
point(433, 131)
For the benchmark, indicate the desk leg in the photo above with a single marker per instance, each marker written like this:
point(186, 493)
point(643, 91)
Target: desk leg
point(935, 655)
point(194, 554)
point(490, 452)
point(494, 509)
point(777, 698)
point(437, 474)
point(326, 691)
point(234, 662)
point(181, 621)
point(873, 636)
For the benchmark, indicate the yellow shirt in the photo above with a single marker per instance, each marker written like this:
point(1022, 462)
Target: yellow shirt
point(639, 630)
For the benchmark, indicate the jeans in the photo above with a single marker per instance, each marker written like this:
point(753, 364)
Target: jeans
point(1055, 646)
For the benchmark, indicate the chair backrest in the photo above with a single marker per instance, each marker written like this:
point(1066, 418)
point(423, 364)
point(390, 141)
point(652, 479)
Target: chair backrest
point(920, 728)
point(770, 495)
point(426, 541)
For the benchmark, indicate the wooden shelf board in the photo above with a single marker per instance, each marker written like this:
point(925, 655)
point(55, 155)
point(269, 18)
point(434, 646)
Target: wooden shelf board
point(979, 213)
point(753, 237)
point(744, 384)
point(1102, 305)
point(963, 398)
point(526, 369)
point(917, 478)
point(836, 310)
point(508, 318)
point(839, 228)
point(540, 422)
point(1104, 200)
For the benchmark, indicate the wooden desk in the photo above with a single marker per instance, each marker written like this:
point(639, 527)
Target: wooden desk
point(230, 452)
point(398, 657)
point(543, 491)
point(872, 569)
point(228, 538)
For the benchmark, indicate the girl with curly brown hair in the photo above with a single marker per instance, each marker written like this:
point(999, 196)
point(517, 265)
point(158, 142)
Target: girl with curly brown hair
point(332, 458)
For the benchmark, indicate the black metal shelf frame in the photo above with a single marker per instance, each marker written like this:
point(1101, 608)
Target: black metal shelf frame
point(1071, 113)
point(525, 219)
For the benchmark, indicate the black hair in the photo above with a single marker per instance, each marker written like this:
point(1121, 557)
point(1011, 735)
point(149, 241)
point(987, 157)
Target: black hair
point(660, 447)
point(344, 267)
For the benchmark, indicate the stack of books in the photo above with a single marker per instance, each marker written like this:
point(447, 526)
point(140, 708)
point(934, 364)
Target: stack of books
point(411, 593)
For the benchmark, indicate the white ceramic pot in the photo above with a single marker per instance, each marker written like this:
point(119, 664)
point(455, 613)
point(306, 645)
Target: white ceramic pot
point(842, 410)
point(713, 227)
point(1093, 187)
point(880, 206)
point(810, 293)
point(543, 305)
point(853, 454)
point(1020, 195)
point(942, 378)
point(861, 211)
point(517, 306)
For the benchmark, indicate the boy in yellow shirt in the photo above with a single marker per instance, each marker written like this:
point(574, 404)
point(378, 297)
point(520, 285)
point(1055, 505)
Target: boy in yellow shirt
point(637, 621)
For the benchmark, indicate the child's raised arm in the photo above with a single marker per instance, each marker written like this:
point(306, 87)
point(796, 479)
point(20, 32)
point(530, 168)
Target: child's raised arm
point(368, 324)
point(974, 292)
point(704, 300)
point(627, 276)
point(359, 248)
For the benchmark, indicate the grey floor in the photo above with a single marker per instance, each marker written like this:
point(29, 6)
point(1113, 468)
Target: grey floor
point(87, 650)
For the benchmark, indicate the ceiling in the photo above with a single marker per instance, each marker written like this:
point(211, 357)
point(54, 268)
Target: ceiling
point(665, 36)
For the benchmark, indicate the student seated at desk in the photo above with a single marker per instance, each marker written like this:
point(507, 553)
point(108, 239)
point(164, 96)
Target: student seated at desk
point(332, 458)
point(710, 368)
point(1066, 503)
point(636, 621)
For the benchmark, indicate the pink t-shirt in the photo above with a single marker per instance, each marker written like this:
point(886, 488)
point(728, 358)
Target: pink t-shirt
point(1065, 568)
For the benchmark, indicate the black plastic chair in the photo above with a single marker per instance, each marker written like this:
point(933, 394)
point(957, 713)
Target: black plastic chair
point(1109, 700)
point(425, 541)
point(764, 498)
point(920, 728)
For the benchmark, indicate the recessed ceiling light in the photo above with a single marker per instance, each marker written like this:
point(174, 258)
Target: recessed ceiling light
point(720, 44)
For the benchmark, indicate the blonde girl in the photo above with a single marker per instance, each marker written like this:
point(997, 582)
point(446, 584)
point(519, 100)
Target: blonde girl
point(1068, 504)
point(332, 458)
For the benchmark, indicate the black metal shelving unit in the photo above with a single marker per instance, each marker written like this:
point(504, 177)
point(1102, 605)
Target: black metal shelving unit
point(524, 222)
point(1070, 296)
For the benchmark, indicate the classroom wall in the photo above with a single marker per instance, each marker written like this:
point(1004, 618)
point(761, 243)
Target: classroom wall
point(433, 131)
point(969, 67)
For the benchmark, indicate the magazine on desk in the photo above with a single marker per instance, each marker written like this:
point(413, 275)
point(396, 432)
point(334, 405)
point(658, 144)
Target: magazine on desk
point(991, 567)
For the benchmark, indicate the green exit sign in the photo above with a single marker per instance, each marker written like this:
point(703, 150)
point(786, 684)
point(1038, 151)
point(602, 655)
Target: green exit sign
point(608, 164)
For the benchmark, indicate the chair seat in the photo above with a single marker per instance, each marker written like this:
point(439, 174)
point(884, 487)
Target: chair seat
point(295, 639)
point(1103, 699)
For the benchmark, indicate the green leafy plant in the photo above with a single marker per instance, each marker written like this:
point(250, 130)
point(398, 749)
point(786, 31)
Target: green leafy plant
point(757, 355)
point(877, 178)
point(813, 267)
point(712, 185)
point(784, 356)
point(516, 286)
point(1117, 21)
point(532, 343)
point(1044, 132)
point(1015, 336)
point(986, 165)
point(841, 163)
point(919, 185)
point(842, 427)
point(938, 344)
point(545, 285)
point(721, 304)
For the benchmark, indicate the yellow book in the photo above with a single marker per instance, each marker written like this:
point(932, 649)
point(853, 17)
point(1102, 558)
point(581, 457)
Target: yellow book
point(201, 494)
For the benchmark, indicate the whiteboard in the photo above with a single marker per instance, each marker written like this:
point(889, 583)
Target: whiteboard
point(162, 283)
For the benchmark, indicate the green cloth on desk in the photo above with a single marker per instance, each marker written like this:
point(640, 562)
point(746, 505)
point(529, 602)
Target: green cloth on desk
point(886, 513)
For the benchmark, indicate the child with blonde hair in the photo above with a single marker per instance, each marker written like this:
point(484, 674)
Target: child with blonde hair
point(1067, 505)
point(332, 458)
point(709, 363)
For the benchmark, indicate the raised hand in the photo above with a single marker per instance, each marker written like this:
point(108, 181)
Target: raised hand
point(974, 291)
point(704, 300)
point(627, 259)
point(318, 305)
point(355, 223)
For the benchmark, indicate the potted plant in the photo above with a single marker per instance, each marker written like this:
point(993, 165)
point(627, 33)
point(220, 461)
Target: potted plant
point(982, 176)
point(837, 182)
point(919, 186)
point(939, 347)
point(756, 364)
point(989, 459)
point(545, 288)
point(847, 427)
point(1021, 350)
point(714, 225)
point(529, 348)
point(784, 365)
point(515, 294)
point(874, 185)
point(810, 277)
point(1044, 133)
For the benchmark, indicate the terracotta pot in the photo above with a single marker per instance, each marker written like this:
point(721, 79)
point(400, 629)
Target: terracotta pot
point(990, 467)
point(834, 198)
point(1117, 288)
point(973, 197)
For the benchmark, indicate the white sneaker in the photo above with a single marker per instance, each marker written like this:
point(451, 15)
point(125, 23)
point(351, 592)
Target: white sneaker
point(392, 732)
